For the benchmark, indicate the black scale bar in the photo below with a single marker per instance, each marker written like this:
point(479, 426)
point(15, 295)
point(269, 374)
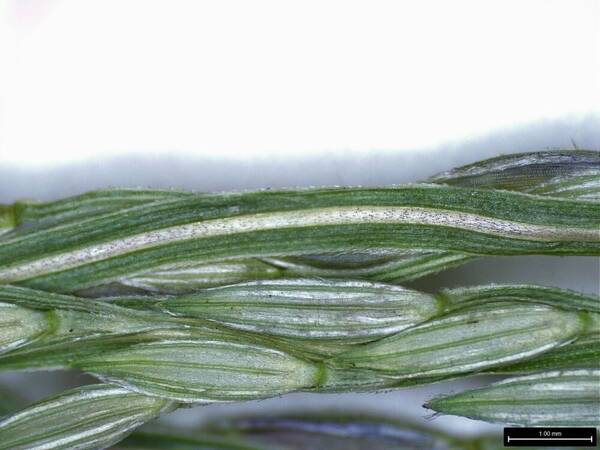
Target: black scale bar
point(550, 437)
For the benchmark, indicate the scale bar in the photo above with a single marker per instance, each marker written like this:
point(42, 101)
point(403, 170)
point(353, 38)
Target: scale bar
point(550, 436)
point(591, 439)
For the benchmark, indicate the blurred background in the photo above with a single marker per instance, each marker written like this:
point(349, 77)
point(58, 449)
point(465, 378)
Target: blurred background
point(231, 95)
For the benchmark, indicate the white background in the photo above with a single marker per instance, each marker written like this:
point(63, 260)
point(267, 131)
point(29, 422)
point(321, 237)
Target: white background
point(216, 95)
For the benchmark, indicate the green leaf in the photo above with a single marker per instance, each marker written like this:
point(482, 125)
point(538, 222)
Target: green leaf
point(33, 215)
point(122, 320)
point(203, 369)
point(71, 316)
point(582, 353)
point(191, 276)
point(316, 309)
point(89, 417)
point(560, 298)
point(572, 174)
point(317, 320)
point(556, 398)
point(20, 326)
point(388, 265)
point(107, 248)
point(61, 352)
point(468, 340)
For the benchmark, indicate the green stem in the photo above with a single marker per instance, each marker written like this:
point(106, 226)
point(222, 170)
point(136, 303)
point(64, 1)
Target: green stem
point(312, 221)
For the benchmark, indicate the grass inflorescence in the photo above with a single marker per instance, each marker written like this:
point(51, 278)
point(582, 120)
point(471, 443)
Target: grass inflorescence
point(173, 298)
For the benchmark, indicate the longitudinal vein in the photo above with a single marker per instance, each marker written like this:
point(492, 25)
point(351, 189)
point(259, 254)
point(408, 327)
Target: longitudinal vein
point(42, 215)
point(51, 230)
point(284, 223)
point(566, 173)
point(302, 218)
